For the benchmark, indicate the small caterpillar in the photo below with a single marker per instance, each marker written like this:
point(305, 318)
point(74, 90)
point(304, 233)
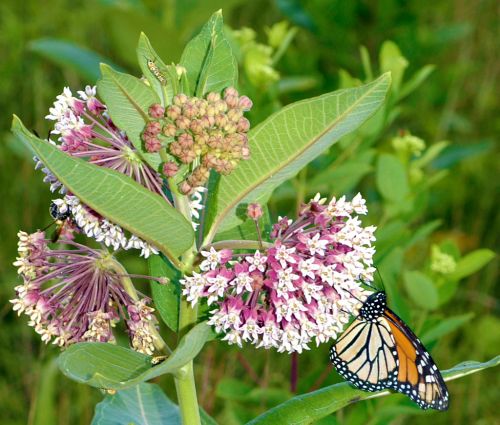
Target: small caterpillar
point(156, 72)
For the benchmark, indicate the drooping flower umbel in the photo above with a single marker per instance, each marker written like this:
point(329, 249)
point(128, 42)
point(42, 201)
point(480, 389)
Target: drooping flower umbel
point(302, 288)
point(78, 294)
point(85, 130)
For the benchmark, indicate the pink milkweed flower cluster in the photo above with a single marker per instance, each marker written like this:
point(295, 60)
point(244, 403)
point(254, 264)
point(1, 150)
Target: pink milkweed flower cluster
point(77, 294)
point(303, 288)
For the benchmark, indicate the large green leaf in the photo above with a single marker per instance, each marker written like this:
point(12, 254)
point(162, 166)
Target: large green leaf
point(85, 62)
point(391, 178)
point(116, 197)
point(421, 289)
point(128, 100)
point(209, 60)
point(166, 297)
point(103, 365)
point(471, 263)
point(290, 139)
point(109, 366)
point(144, 404)
point(308, 408)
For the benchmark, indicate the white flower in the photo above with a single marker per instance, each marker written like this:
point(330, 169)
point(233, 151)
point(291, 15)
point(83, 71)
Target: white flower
point(283, 255)
point(90, 92)
point(359, 204)
point(217, 287)
point(316, 245)
point(213, 259)
point(257, 262)
point(308, 268)
point(285, 282)
point(193, 287)
point(243, 281)
point(250, 331)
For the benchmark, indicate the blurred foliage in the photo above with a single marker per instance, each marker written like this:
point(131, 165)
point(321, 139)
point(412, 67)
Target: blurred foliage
point(426, 163)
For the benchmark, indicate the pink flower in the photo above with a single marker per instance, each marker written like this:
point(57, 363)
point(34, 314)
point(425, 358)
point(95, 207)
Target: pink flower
point(302, 289)
point(76, 294)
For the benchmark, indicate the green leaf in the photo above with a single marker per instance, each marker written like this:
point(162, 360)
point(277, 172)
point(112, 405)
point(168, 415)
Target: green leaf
point(421, 290)
point(85, 62)
point(109, 366)
point(166, 297)
point(103, 365)
point(128, 100)
point(116, 197)
point(308, 408)
point(144, 404)
point(188, 348)
point(209, 60)
point(290, 139)
point(164, 89)
point(471, 263)
point(416, 80)
point(391, 60)
point(391, 178)
point(445, 327)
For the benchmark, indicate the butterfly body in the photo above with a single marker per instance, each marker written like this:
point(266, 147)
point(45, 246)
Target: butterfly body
point(378, 350)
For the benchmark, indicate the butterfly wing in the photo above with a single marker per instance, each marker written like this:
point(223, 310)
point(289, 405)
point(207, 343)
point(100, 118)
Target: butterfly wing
point(418, 376)
point(366, 355)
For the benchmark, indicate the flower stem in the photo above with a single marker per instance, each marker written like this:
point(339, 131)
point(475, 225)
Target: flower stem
point(129, 287)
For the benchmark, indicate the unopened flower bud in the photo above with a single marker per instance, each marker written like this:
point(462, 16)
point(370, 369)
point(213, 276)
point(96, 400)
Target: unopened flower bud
point(196, 126)
point(245, 152)
point(220, 106)
point(185, 140)
point(189, 110)
point(156, 111)
point(182, 123)
point(185, 188)
point(211, 111)
point(254, 211)
point(220, 120)
point(245, 103)
point(152, 144)
point(243, 125)
point(231, 101)
point(180, 99)
point(170, 168)
point(170, 130)
point(213, 97)
point(153, 128)
point(234, 115)
point(230, 91)
point(173, 112)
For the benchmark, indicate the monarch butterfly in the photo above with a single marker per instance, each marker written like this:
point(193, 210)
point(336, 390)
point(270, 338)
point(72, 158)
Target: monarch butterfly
point(156, 72)
point(378, 350)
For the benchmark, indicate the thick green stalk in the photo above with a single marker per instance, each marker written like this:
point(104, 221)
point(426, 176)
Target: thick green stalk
point(185, 385)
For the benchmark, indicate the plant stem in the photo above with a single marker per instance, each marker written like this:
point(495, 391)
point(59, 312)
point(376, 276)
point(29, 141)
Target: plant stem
point(239, 244)
point(185, 385)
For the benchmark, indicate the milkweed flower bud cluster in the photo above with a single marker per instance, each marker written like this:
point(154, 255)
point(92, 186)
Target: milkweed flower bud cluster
point(208, 133)
point(76, 294)
point(303, 288)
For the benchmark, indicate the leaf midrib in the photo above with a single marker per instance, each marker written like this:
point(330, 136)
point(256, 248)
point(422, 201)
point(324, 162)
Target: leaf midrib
point(258, 182)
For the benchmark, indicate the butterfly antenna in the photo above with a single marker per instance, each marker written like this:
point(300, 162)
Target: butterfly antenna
point(381, 280)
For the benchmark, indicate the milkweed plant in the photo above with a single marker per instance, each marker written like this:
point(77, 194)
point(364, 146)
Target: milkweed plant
point(168, 166)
